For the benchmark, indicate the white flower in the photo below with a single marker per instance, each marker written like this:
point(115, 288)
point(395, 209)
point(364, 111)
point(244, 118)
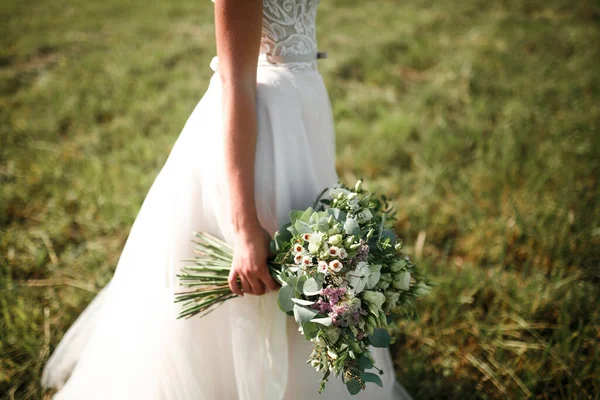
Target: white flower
point(332, 354)
point(336, 266)
point(298, 248)
point(306, 236)
point(358, 186)
point(334, 251)
point(343, 253)
point(322, 267)
point(316, 237)
point(335, 239)
point(298, 258)
point(401, 280)
point(313, 248)
point(307, 261)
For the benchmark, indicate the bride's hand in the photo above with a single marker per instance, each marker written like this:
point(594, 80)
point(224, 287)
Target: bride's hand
point(250, 254)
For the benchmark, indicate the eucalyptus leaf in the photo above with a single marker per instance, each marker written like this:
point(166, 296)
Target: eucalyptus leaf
point(305, 217)
point(351, 227)
point(323, 321)
point(302, 227)
point(380, 338)
point(353, 386)
point(310, 330)
point(365, 362)
point(311, 287)
point(303, 302)
point(371, 377)
point(284, 298)
point(303, 315)
point(295, 214)
point(387, 233)
point(338, 214)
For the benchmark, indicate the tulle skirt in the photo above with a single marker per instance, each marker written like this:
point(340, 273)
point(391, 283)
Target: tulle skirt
point(128, 343)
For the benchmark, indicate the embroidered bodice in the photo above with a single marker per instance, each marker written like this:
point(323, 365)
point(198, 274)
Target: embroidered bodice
point(288, 28)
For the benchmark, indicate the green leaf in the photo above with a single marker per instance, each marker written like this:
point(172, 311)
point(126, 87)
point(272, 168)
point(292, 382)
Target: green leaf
point(303, 302)
point(322, 321)
point(298, 285)
point(305, 217)
point(351, 227)
point(310, 330)
point(353, 386)
point(365, 362)
point(338, 214)
point(302, 227)
point(280, 238)
point(323, 224)
point(295, 214)
point(371, 377)
point(284, 298)
point(303, 315)
point(311, 287)
point(380, 338)
point(386, 233)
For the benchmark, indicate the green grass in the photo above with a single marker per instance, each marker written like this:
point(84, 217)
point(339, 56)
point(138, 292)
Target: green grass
point(481, 118)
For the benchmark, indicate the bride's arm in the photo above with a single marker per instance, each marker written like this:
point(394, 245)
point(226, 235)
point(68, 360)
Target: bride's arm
point(238, 30)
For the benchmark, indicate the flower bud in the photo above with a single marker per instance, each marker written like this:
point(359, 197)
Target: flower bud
point(358, 186)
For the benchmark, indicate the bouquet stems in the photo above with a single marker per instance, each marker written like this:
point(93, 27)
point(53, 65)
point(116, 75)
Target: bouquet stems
point(208, 277)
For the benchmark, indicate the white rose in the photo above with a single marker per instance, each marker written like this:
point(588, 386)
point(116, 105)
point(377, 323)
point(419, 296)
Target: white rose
point(335, 239)
point(313, 248)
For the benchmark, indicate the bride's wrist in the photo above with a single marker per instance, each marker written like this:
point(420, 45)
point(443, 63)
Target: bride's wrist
point(245, 226)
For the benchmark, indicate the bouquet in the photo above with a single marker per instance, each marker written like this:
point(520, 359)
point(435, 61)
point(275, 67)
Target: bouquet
point(343, 278)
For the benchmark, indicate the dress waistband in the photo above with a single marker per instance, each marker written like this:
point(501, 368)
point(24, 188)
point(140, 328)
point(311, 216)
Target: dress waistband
point(273, 59)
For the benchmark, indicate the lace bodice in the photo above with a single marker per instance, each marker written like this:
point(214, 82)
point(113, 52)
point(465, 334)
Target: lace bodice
point(288, 28)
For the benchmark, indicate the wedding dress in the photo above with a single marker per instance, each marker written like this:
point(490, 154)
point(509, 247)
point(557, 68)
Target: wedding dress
point(128, 343)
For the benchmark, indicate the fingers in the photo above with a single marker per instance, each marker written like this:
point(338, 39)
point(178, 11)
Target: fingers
point(257, 286)
point(269, 282)
point(246, 287)
point(233, 282)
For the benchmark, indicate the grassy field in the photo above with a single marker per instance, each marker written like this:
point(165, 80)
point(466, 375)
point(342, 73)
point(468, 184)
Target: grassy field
point(481, 118)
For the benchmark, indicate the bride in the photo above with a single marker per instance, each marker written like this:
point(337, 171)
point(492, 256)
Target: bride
point(259, 143)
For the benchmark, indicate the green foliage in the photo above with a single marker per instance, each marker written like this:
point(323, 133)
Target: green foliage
point(479, 118)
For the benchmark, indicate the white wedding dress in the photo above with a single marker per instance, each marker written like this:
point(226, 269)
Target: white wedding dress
point(128, 343)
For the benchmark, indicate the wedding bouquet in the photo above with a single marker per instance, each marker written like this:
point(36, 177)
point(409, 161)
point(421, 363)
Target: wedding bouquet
point(343, 276)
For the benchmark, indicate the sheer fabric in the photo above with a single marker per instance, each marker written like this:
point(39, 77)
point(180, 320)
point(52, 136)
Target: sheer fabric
point(128, 343)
